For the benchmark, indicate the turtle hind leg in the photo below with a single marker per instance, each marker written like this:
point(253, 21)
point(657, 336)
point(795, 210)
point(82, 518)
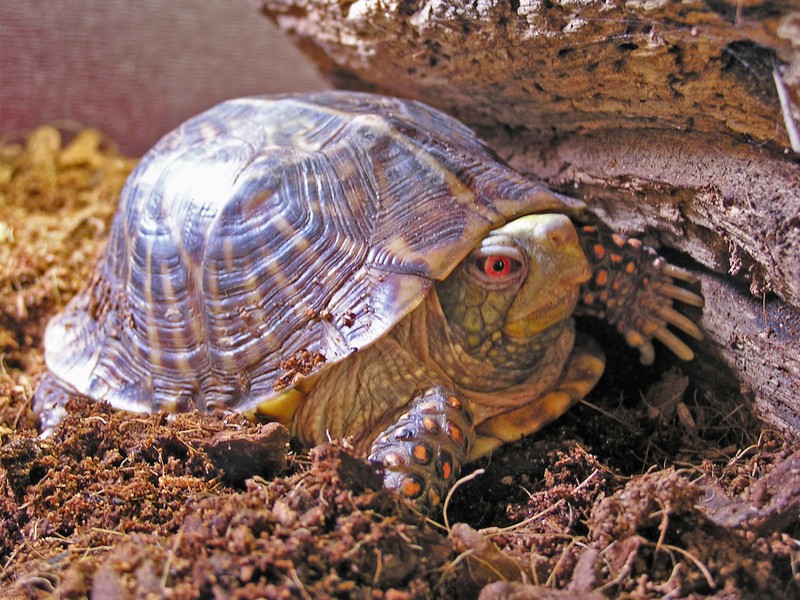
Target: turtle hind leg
point(423, 451)
point(633, 289)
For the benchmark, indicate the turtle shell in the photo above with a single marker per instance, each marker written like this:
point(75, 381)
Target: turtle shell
point(270, 237)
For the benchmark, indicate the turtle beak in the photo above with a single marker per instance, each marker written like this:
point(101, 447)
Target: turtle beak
point(557, 267)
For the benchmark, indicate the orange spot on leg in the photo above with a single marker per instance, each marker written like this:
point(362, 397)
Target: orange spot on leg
point(430, 424)
point(454, 432)
point(421, 453)
point(411, 488)
point(447, 470)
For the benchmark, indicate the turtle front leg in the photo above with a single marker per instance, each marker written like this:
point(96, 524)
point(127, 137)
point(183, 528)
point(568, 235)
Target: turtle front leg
point(633, 289)
point(423, 451)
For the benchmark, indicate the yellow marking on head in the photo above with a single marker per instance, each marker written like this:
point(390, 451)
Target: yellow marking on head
point(557, 267)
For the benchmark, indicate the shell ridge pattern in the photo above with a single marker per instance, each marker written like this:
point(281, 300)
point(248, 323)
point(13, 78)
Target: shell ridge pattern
point(280, 251)
point(153, 339)
point(268, 227)
point(409, 249)
point(194, 193)
point(344, 170)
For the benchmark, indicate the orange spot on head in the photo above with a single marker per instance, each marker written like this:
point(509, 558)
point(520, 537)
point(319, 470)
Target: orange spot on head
point(616, 258)
point(630, 267)
point(618, 239)
point(598, 251)
point(589, 228)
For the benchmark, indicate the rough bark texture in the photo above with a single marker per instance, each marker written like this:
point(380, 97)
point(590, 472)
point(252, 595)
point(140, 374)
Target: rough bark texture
point(673, 120)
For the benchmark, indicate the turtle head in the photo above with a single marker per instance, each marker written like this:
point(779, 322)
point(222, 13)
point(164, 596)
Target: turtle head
point(520, 281)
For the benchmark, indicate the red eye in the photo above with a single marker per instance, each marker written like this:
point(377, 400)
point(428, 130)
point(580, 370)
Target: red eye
point(497, 266)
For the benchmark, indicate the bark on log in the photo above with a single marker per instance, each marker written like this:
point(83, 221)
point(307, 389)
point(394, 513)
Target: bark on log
point(673, 120)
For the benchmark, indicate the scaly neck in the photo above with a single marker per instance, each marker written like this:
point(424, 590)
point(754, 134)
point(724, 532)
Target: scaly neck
point(494, 362)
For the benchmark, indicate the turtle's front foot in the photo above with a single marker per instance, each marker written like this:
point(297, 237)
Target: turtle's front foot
point(634, 289)
point(424, 450)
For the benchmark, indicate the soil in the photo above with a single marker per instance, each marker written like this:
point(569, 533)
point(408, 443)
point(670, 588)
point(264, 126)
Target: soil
point(651, 488)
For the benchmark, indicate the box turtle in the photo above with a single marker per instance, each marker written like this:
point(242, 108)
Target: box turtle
point(354, 266)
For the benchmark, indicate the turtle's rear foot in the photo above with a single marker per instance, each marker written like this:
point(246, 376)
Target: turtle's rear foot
point(424, 450)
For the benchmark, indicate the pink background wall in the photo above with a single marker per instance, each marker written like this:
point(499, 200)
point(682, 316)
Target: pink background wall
point(136, 69)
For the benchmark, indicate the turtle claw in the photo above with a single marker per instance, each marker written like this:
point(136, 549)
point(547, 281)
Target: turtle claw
point(681, 294)
point(677, 273)
point(647, 353)
point(674, 343)
point(682, 322)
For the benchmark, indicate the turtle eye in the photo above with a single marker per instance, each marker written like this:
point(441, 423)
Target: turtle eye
point(497, 266)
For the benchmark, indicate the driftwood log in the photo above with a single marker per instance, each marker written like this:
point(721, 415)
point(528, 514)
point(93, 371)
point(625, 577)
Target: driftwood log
point(675, 121)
